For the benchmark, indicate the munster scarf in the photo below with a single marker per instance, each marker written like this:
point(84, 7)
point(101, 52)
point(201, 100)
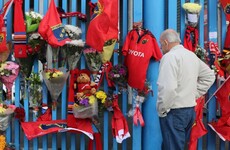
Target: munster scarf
point(19, 31)
point(120, 129)
point(191, 38)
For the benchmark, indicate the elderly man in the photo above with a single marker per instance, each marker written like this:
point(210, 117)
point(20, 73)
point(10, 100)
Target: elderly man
point(183, 78)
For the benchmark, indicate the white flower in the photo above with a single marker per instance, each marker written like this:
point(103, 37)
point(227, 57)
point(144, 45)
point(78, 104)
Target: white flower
point(76, 43)
point(35, 36)
point(73, 31)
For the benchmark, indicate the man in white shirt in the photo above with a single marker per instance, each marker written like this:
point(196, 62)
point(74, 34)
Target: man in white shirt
point(183, 78)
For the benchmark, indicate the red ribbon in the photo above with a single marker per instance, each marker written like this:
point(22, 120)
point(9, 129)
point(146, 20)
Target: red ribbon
point(138, 116)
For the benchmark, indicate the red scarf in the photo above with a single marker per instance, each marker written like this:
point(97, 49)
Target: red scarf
point(191, 38)
point(19, 31)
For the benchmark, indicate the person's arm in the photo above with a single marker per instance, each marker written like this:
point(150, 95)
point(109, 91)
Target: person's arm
point(205, 80)
point(167, 84)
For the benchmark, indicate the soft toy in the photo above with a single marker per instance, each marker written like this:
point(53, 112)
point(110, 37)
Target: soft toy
point(84, 86)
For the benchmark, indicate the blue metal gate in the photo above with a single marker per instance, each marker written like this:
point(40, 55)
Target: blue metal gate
point(156, 16)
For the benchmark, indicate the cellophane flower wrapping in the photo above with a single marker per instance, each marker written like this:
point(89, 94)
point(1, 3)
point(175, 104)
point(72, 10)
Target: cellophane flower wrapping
point(86, 107)
point(139, 97)
point(8, 73)
point(33, 20)
point(73, 56)
point(55, 80)
point(118, 74)
point(108, 50)
point(6, 112)
point(93, 60)
point(35, 90)
point(75, 47)
point(192, 13)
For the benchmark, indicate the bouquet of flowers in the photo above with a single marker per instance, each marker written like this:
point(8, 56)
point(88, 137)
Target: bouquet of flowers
point(74, 48)
point(118, 74)
point(85, 107)
point(6, 112)
point(202, 54)
point(93, 60)
point(33, 20)
point(36, 45)
point(55, 80)
point(107, 51)
point(35, 91)
point(139, 98)
point(192, 13)
point(8, 73)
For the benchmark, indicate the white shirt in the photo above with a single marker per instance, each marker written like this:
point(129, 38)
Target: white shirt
point(183, 77)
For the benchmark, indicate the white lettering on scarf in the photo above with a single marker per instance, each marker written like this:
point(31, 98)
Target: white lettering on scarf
point(136, 53)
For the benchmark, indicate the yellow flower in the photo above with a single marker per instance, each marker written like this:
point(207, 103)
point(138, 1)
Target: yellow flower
point(2, 110)
point(2, 142)
point(75, 105)
point(192, 7)
point(102, 96)
point(55, 75)
point(91, 99)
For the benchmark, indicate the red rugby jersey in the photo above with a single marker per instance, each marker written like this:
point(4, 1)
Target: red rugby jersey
point(139, 47)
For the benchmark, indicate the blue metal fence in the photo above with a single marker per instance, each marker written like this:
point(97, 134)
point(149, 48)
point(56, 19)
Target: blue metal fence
point(156, 16)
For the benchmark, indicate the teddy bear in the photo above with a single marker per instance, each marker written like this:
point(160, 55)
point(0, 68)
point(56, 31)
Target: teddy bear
point(83, 85)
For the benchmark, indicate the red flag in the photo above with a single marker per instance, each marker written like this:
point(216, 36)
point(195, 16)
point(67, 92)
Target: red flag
point(103, 25)
point(3, 46)
point(227, 39)
point(44, 125)
point(198, 129)
point(40, 128)
point(222, 126)
point(6, 8)
point(222, 96)
point(226, 7)
point(51, 29)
